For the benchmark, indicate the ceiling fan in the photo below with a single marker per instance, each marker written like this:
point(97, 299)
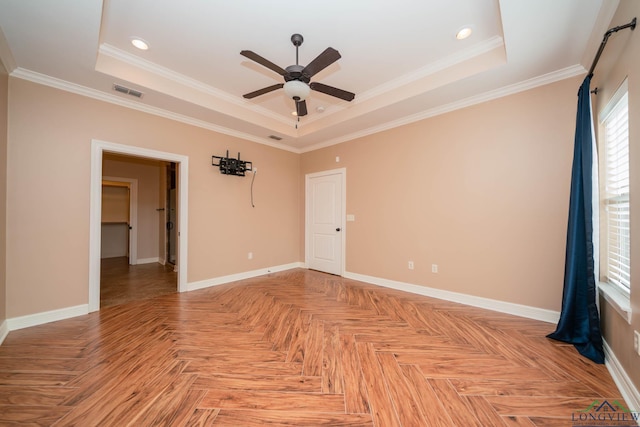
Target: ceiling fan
point(297, 79)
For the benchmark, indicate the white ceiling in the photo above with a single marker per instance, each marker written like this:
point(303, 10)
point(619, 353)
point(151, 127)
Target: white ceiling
point(400, 58)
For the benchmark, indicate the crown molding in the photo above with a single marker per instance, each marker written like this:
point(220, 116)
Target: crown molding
point(545, 79)
point(434, 67)
point(64, 85)
point(532, 83)
point(422, 73)
point(429, 70)
point(151, 67)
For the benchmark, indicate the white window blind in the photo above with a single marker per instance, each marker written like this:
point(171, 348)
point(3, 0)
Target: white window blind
point(616, 198)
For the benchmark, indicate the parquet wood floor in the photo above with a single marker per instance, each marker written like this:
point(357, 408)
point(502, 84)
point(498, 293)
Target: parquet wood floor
point(297, 348)
point(121, 283)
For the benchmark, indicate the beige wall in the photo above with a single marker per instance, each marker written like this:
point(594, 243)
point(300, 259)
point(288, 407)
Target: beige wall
point(49, 141)
point(4, 96)
point(115, 203)
point(482, 192)
point(621, 59)
point(148, 175)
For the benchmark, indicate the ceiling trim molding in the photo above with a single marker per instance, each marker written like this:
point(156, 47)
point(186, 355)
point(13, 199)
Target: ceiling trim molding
point(422, 74)
point(137, 62)
point(457, 58)
point(545, 79)
point(434, 67)
point(66, 86)
point(181, 79)
point(565, 73)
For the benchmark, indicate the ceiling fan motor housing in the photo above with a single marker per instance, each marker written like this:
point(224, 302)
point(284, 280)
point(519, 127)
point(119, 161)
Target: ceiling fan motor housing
point(294, 72)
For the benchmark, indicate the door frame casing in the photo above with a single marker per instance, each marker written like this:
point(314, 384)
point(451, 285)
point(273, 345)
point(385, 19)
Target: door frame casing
point(343, 213)
point(95, 211)
point(133, 215)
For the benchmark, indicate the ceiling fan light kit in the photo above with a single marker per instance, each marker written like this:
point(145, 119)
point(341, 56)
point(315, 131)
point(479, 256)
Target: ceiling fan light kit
point(297, 90)
point(298, 85)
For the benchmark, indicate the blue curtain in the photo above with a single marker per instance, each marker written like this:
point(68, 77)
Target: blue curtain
point(579, 320)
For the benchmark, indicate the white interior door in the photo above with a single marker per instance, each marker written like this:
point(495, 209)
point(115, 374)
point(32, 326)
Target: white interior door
point(324, 221)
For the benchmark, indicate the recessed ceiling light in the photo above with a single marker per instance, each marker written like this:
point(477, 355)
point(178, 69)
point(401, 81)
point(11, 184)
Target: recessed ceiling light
point(463, 33)
point(139, 43)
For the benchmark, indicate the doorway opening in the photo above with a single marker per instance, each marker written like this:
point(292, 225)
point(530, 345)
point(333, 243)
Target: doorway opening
point(132, 258)
point(142, 260)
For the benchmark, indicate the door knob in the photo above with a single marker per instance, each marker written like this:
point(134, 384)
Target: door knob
point(338, 229)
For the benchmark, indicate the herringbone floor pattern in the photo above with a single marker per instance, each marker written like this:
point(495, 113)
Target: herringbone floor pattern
point(298, 348)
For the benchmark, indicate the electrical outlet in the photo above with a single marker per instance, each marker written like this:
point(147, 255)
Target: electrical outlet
point(636, 342)
point(410, 265)
point(250, 255)
point(434, 268)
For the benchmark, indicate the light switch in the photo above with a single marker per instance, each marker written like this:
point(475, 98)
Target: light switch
point(351, 217)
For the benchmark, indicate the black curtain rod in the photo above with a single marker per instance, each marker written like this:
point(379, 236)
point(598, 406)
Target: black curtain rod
point(631, 25)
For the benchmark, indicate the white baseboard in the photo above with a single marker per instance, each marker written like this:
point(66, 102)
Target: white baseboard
point(4, 331)
point(625, 385)
point(46, 317)
point(241, 276)
point(490, 304)
point(79, 310)
point(147, 260)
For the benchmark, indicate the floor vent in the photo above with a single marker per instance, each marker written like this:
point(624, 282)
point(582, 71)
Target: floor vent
point(127, 91)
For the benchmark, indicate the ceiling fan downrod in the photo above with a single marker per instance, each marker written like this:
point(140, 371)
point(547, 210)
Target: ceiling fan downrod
point(297, 40)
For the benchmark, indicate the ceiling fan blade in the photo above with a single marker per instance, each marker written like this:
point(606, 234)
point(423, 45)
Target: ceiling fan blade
point(263, 91)
point(262, 61)
point(333, 91)
point(301, 108)
point(322, 61)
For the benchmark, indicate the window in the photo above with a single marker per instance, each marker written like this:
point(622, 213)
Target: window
point(616, 189)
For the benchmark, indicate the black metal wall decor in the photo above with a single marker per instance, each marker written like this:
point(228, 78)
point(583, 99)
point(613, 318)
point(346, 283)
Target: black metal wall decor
point(230, 166)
